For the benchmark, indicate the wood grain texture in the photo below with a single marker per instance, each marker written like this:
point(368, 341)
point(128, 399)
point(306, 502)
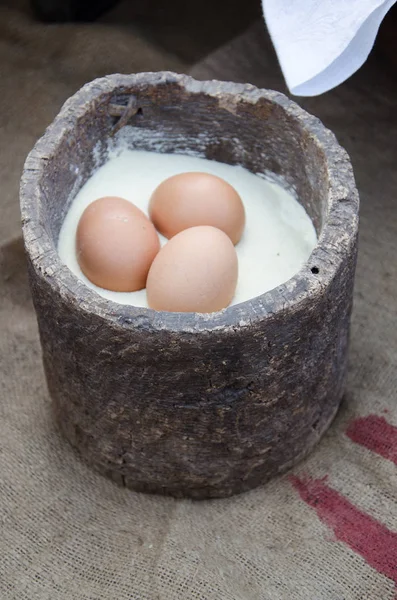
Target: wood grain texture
point(189, 404)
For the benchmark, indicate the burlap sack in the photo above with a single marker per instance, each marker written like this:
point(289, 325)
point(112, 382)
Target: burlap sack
point(40, 67)
point(326, 531)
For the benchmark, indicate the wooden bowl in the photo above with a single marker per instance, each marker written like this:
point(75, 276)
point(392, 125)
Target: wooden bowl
point(183, 403)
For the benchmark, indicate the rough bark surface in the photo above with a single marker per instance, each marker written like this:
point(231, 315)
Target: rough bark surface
point(189, 404)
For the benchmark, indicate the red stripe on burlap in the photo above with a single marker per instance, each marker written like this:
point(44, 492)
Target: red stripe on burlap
point(362, 533)
point(376, 434)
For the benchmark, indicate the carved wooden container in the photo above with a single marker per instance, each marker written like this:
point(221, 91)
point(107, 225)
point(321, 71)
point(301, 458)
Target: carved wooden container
point(182, 403)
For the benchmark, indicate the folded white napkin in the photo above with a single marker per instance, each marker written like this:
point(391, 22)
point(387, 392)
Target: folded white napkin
point(320, 43)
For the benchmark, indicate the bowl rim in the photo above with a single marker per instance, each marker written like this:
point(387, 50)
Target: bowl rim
point(335, 243)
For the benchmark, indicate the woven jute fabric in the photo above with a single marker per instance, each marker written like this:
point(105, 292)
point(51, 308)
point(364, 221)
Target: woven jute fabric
point(325, 531)
point(40, 67)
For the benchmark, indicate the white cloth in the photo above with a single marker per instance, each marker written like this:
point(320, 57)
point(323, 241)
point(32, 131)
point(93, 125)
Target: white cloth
point(321, 43)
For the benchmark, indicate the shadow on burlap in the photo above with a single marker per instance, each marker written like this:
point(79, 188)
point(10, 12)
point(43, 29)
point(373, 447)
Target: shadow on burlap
point(67, 533)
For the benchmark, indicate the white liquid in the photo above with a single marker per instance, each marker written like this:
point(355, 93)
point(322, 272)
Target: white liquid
point(278, 237)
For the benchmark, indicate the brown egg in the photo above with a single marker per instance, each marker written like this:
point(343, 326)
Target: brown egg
point(196, 271)
point(116, 244)
point(192, 199)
